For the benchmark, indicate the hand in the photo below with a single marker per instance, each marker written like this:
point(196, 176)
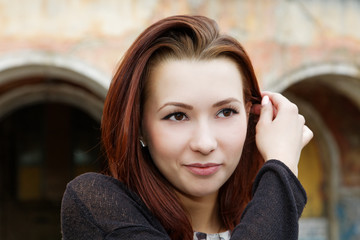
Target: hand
point(281, 132)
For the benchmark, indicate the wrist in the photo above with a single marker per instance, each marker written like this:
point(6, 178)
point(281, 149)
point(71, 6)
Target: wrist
point(293, 167)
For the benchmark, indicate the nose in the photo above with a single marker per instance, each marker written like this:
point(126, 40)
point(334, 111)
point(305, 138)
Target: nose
point(203, 139)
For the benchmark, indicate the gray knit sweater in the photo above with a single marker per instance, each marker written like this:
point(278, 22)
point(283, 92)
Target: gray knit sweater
point(96, 206)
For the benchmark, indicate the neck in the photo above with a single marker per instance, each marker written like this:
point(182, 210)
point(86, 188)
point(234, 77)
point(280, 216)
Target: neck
point(203, 212)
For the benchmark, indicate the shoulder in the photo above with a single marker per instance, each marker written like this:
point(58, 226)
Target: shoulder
point(96, 185)
point(103, 203)
point(92, 179)
point(103, 194)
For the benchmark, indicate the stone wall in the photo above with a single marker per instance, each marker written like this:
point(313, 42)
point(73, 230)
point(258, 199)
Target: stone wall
point(281, 36)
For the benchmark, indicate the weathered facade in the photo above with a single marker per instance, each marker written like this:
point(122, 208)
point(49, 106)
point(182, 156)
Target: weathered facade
point(56, 62)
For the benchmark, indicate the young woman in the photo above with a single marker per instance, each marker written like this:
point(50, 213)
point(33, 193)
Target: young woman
point(186, 138)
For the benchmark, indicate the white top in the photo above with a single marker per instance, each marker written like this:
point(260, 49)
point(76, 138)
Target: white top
point(213, 236)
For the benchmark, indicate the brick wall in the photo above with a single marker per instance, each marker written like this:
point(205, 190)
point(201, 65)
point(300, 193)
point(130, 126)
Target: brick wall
point(281, 36)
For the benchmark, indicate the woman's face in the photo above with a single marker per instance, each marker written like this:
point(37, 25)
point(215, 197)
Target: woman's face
point(195, 123)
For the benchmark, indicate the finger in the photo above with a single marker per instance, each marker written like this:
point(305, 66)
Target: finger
point(256, 110)
point(301, 119)
point(279, 101)
point(275, 111)
point(307, 135)
point(266, 113)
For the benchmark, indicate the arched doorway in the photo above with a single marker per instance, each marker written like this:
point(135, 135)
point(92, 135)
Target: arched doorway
point(329, 168)
point(44, 146)
point(49, 133)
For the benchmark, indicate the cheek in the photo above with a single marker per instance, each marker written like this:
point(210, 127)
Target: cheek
point(165, 142)
point(235, 138)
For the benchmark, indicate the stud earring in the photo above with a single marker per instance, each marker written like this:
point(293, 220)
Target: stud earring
point(142, 143)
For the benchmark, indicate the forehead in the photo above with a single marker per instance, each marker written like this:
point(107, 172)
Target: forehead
point(219, 77)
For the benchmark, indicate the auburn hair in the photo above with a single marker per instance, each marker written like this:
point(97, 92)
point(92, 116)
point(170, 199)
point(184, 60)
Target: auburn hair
point(176, 37)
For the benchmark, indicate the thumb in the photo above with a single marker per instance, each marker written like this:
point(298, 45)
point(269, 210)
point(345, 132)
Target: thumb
point(266, 113)
point(307, 135)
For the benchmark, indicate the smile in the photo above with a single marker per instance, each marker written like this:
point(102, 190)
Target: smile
point(203, 169)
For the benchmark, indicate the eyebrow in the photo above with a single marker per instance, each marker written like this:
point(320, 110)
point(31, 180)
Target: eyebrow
point(176, 104)
point(226, 101)
point(189, 107)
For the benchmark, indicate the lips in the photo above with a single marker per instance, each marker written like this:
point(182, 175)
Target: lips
point(203, 169)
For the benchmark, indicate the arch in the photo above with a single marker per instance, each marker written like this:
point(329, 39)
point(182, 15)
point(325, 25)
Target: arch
point(328, 150)
point(85, 86)
point(38, 78)
point(340, 81)
point(350, 72)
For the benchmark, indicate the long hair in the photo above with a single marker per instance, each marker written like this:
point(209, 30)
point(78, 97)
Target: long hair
point(177, 37)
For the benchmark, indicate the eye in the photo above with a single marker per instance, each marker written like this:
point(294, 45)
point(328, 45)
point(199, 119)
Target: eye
point(177, 116)
point(226, 112)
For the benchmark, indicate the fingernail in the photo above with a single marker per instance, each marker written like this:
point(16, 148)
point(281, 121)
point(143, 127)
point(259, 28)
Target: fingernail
point(265, 100)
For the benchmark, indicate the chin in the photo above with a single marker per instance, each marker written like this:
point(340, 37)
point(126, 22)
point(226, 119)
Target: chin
point(202, 192)
point(199, 195)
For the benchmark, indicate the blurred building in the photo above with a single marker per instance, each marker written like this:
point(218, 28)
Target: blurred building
point(56, 62)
